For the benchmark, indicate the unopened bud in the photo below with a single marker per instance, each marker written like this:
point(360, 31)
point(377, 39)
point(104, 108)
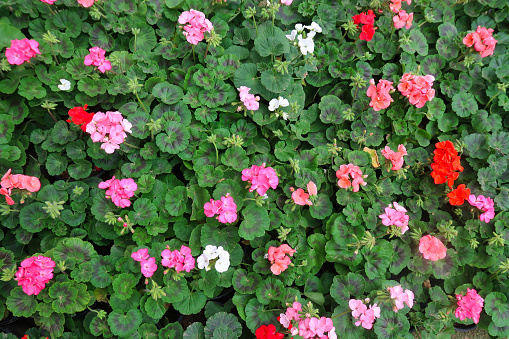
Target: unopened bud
point(119, 219)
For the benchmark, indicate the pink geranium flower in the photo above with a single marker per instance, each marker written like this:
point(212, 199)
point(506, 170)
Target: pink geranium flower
point(279, 259)
point(380, 94)
point(96, 58)
point(345, 172)
point(180, 260)
point(119, 191)
point(249, 100)
point(403, 19)
point(418, 89)
point(395, 217)
point(432, 248)
point(226, 209)
point(110, 129)
point(34, 273)
point(401, 298)
point(469, 306)
point(396, 158)
point(485, 204)
point(366, 316)
point(260, 178)
point(195, 25)
point(21, 51)
point(311, 186)
point(148, 267)
point(86, 3)
point(482, 40)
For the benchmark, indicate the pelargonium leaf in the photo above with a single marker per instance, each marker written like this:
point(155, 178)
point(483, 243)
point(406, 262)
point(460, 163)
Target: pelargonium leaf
point(174, 139)
point(122, 324)
point(64, 296)
point(31, 217)
point(244, 282)
point(168, 93)
point(30, 88)
point(496, 306)
point(269, 289)
point(123, 285)
point(21, 304)
point(257, 315)
point(344, 288)
point(192, 303)
point(222, 319)
point(176, 201)
point(255, 222)
point(144, 211)
point(172, 330)
point(194, 331)
point(155, 308)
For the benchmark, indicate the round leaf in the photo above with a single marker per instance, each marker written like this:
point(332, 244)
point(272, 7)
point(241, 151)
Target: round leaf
point(169, 94)
point(124, 324)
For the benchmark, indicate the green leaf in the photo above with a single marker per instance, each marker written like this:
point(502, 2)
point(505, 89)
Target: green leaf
point(172, 3)
point(208, 175)
point(400, 257)
point(176, 200)
point(174, 139)
point(74, 250)
point(30, 88)
point(487, 178)
point(495, 305)
point(99, 327)
point(448, 122)
point(257, 315)
point(145, 40)
point(169, 94)
point(222, 319)
point(477, 145)
point(68, 20)
point(99, 38)
point(464, 104)
point(194, 331)
point(321, 208)
point(344, 288)
point(227, 237)
point(378, 259)
point(76, 150)
point(82, 273)
point(418, 44)
point(175, 290)
point(92, 87)
point(81, 169)
point(56, 164)
point(31, 217)
point(6, 128)
point(235, 158)
point(218, 95)
point(8, 32)
point(192, 303)
point(274, 81)
point(331, 110)
point(447, 29)
point(124, 324)
point(21, 304)
point(155, 308)
point(123, 285)
point(499, 141)
point(270, 289)
point(65, 297)
point(272, 41)
point(359, 158)
point(144, 211)
point(255, 222)
point(172, 330)
point(245, 283)
point(390, 325)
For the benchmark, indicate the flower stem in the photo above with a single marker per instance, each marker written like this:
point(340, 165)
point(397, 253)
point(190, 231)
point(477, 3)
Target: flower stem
point(128, 144)
point(355, 94)
point(50, 9)
point(493, 97)
point(141, 103)
point(52, 115)
point(256, 28)
point(340, 314)
point(343, 38)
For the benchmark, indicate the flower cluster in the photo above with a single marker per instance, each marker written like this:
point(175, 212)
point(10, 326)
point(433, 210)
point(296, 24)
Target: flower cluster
point(109, 128)
point(195, 25)
point(403, 19)
point(268, 332)
point(260, 178)
point(225, 208)
point(459, 195)
point(380, 94)
point(445, 163)
point(365, 316)
point(34, 273)
point(19, 181)
point(182, 260)
point(303, 39)
point(274, 104)
point(367, 20)
point(97, 58)
point(432, 248)
point(418, 89)
point(300, 197)
point(80, 117)
point(395, 5)
point(119, 190)
point(306, 326)
point(249, 100)
point(396, 158)
point(21, 51)
point(482, 40)
point(400, 298)
point(345, 172)
point(212, 252)
point(395, 217)
point(148, 264)
point(485, 204)
point(469, 306)
point(279, 259)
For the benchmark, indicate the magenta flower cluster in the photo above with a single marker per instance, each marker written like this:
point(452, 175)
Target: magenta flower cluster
point(226, 209)
point(181, 260)
point(119, 190)
point(195, 25)
point(97, 58)
point(365, 316)
point(260, 178)
point(485, 204)
point(109, 128)
point(395, 216)
point(148, 264)
point(249, 100)
point(21, 51)
point(34, 273)
point(469, 306)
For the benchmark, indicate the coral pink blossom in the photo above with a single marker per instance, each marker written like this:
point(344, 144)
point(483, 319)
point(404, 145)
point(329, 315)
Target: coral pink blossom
point(345, 172)
point(312, 190)
point(379, 94)
point(21, 51)
point(485, 204)
point(286, 2)
point(396, 158)
point(300, 197)
point(401, 298)
point(225, 208)
point(17, 181)
point(119, 191)
point(279, 259)
point(86, 3)
point(395, 5)
point(195, 25)
point(34, 273)
point(96, 58)
point(432, 248)
point(469, 306)
point(249, 100)
point(395, 216)
point(403, 19)
point(181, 260)
point(482, 40)
point(418, 89)
point(260, 178)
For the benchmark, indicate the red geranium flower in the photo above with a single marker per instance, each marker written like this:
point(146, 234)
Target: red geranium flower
point(367, 32)
point(459, 195)
point(268, 332)
point(80, 117)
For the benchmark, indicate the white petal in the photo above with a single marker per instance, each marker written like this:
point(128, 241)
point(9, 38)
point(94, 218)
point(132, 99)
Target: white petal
point(273, 105)
point(65, 85)
point(283, 102)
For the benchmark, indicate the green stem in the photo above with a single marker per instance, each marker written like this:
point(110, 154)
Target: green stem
point(207, 49)
point(340, 314)
point(135, 42)
point(392, 32)
point(194, 56)
point(52, 115)
point(256, 28)
point(355, 94)
point(141, 103)
point(50, 9)
point(54, 55)
point(217, 153)
point(128, 144)
point(343, 38)
point(493, 97)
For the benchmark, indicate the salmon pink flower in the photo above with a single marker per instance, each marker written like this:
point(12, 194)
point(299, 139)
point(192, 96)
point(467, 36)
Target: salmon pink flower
point(396, 158)
point(21, 51)
point(380, 94)
point(86, 3)
point(432, 248)
point(345, 172)
point(279, 259)
point(300, 197)
point(482, 40)
point(395, 5)
point(469, 306)
point(311, 186)
point(402, 19)
point(418, 89)
point(17, 181)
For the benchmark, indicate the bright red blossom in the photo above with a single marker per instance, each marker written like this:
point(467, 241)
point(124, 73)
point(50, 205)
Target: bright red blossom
point(268, 332)
point(446, 163)
point(459, 195)
point(80, 117)
point(368, 20)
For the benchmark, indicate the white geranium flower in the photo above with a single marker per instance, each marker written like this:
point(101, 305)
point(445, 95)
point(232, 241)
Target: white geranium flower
point(283, 102)
point(285, 116)
point(299, 28)
point(222, 265)
point(65, 85)
point(203, 262)
point(306, 45)
point(314, 27)
point(279, 102)
point(211, 252)
point(292, 35)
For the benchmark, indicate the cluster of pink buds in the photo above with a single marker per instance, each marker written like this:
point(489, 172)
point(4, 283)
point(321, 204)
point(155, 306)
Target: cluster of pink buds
point(365, 316)
point(401, 298)
point(34, 273)
point(249, 100)
point(279, 259)
point(119, 190)
point(21, 51)
point(300, 197)
point(109, 128)
point(482, 40)
point(469, 306)
point(395, 217)
point(181, 260)
point(19, 181)
point(305, 325)
point(148, 264)
point(260, 178)
point(345, 172)
point(418, 89)
point(195, 25)
point(485, 204)
point(380, 94)
point(396, 158)
point(97, 58)
point(226, 209)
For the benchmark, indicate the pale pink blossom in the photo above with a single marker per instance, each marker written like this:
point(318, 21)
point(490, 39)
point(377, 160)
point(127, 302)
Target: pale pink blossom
point(401, 298)
point(109, 128)
point(485, 204)
point(286, 2)
point(312, 189)
point(86, 3)
point(418, 89)
point(395, 217)
point(195, 25)
point(365, 316)
point(249, 100)
point(380, 94)
point(403, 19)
